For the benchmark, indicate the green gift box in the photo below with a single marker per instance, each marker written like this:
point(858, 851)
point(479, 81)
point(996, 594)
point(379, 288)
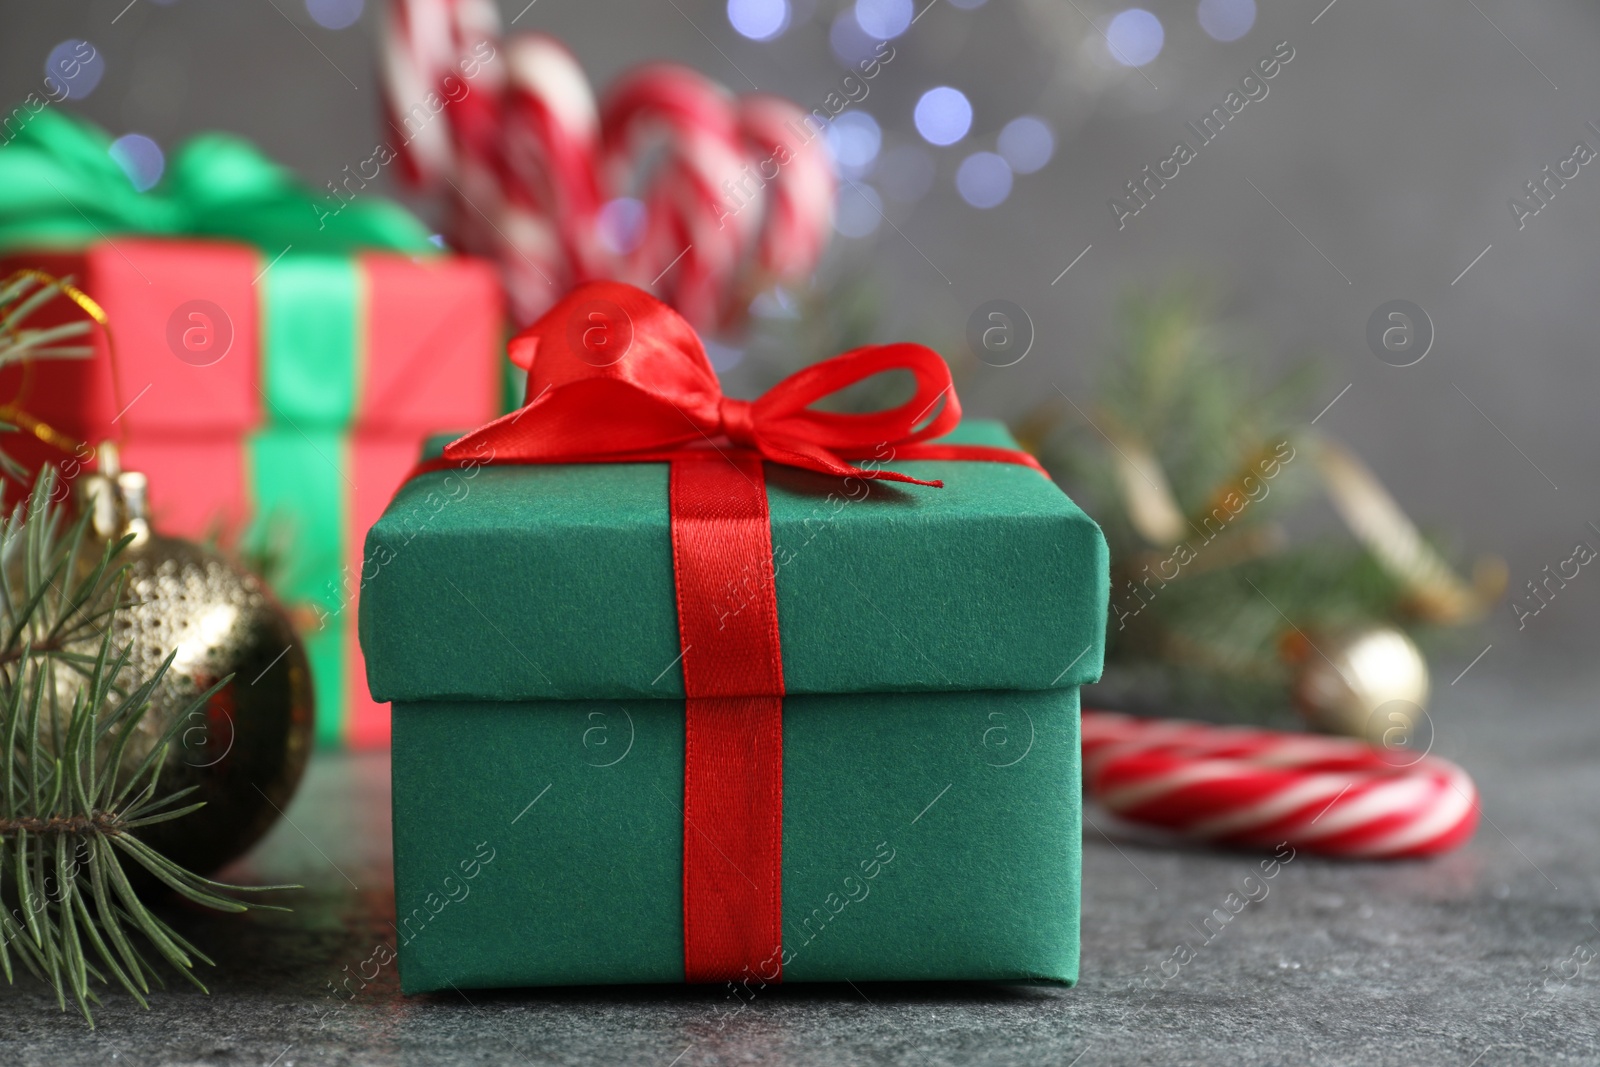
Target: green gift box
point(523, 622)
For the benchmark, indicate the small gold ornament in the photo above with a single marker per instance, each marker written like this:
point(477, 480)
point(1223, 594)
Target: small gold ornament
point(1370, 683)
point(247, 747)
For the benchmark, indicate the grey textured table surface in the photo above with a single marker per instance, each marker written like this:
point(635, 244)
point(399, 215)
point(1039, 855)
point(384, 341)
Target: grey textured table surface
point(1482, 958)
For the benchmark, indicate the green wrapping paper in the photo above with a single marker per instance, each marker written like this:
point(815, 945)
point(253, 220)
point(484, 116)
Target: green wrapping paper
point(996, 581)
point(973, 797)
point(523, 621)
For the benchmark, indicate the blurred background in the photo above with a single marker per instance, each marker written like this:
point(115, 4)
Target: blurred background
point(1380, 165)
point(1376, 247)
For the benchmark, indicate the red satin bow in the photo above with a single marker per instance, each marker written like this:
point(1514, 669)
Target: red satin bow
point(617, 376)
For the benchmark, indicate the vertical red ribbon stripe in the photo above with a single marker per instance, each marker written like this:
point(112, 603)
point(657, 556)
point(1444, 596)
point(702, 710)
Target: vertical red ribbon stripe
point(663, 403)
point(733, 755)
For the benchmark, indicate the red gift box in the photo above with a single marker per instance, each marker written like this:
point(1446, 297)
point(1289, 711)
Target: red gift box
point(256, 388)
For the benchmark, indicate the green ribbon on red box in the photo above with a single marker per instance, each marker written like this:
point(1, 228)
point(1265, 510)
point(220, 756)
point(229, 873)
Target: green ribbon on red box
point(61, 188)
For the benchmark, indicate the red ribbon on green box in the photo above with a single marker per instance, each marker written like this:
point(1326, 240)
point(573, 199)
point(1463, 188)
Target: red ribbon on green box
point(616, 376)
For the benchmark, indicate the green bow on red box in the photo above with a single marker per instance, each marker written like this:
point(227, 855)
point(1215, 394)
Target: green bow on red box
point(60, 185)
point(280, 353)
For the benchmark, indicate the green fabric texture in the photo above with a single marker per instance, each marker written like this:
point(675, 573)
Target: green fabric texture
point(312, 342)
point(925, 836)
point(513, 387)
point(555, 582)
point(301, 499)
point(59, 186)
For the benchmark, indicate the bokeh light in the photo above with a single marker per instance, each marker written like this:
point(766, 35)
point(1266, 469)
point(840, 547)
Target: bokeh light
point(621, 225)
point(775, 303)
point(943, 115)
point(140, 158)
point(334, 14)
point(906, 173)
point(858, 211)
point(854, 139)
point(1135, 37)
point(1027, 144)
point(1227, 20)
point(983, 180)
point(73, 69)
point(759, 20)
point(883, 20)
point(723, 357)
point(849, 42)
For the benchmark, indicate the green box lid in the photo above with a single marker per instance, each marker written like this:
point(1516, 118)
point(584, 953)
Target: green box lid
point(555, 582)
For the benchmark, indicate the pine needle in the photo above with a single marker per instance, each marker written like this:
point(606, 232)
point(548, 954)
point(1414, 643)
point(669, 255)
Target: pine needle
point(1201, 628)
point(68, 805)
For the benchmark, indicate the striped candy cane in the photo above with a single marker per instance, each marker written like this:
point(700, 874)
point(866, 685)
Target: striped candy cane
point(672, 139)
point(425, 43)
point(548, 129)
point(800, 188)
point(738, 192)
point(1255, 788)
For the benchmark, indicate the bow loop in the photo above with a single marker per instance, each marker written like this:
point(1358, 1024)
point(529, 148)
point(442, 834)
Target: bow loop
point(614, 374)
point(789, 403)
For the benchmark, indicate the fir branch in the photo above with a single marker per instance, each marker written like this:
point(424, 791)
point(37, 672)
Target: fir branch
point(22, 296)
point(1204, 618)
point(97, 822)
point(70, 810)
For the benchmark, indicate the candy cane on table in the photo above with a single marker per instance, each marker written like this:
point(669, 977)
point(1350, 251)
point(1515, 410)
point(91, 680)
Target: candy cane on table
point(1255, 788)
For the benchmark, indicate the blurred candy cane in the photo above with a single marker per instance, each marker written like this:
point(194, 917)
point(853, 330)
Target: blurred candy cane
point(425, 43)
point(1255, 788)
point(672, 139)
point(737, 192)
point(799, 213)
point(551, 130)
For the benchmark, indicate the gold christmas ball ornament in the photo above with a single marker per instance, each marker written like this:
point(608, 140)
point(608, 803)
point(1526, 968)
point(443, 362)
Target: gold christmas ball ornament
point(246, 747)
point(1370, 682)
